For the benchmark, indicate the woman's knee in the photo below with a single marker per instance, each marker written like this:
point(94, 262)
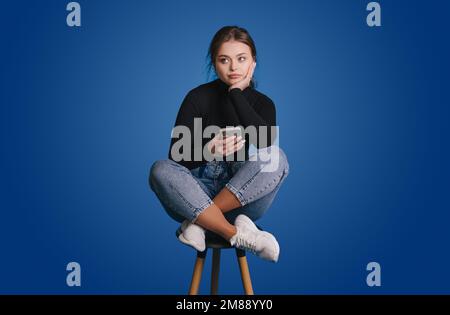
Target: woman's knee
point(284, 163)
point(162, 170)
point(158, 171)
point(274, 159)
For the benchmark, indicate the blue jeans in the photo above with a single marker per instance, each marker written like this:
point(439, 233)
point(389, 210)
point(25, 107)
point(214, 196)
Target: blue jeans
point(185, 193)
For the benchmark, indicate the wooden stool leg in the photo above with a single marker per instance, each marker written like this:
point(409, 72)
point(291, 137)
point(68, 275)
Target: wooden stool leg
point(245, 273)
point(197, 275)
point(215, 271)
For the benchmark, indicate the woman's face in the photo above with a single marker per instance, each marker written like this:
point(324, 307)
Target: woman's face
point(233, 61)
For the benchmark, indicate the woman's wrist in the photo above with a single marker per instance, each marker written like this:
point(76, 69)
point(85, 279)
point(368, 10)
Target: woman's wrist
point(233, 88)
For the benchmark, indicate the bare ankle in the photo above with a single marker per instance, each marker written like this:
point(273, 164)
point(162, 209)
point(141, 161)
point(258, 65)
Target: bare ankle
point(230, 232)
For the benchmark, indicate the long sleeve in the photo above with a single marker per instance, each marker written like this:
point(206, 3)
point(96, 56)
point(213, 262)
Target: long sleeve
point(191, 133)
point(265, 116)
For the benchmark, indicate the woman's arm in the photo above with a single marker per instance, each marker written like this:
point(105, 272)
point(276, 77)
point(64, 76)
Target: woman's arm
point(185, 123)
point(265, 117)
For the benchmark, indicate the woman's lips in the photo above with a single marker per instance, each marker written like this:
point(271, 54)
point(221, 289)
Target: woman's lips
point(234, 76)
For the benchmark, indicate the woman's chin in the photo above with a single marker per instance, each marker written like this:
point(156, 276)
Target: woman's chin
point(232, 81)
point(229, 81)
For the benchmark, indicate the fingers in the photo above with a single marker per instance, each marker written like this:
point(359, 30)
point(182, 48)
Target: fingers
point(224, 143)
point(249, 72)
point(252, 70)
point(235, 146)
point(238, 145)
point(217, 145)
point(228, 145)
point(228, 140)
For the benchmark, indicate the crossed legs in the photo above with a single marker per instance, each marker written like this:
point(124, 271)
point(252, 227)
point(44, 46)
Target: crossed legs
point(212, 218)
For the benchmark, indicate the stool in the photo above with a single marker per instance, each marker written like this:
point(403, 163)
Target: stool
point(217, 243)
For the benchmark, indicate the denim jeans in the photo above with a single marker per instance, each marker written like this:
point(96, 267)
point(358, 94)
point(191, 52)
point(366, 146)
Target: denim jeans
point(185, 193)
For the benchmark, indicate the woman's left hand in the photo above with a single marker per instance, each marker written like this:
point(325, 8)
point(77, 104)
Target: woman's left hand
point(245, 82)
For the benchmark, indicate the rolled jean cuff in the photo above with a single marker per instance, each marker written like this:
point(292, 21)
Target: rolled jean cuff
point(199, 210)
point(236, 193)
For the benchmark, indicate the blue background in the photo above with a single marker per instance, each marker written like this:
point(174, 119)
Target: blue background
point(363, 115)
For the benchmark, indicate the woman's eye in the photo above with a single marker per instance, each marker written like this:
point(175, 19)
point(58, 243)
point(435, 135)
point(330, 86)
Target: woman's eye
point(241, 58)
point(223, 60)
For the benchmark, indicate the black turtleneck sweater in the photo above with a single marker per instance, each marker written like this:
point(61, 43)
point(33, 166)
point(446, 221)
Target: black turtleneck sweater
point(215, 105)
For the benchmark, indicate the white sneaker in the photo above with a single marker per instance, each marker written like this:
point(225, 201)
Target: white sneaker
point(249, 238)
point(192, 235)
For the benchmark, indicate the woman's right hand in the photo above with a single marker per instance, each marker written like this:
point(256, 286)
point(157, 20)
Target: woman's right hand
point(220, 147)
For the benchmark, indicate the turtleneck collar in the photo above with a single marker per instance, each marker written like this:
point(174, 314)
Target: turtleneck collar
point(222, 85)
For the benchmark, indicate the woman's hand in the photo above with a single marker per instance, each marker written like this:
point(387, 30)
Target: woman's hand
point(245, 82)
point(219, 146)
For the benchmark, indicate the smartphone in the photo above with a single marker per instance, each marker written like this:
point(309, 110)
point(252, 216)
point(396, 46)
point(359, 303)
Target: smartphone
point(231, 131)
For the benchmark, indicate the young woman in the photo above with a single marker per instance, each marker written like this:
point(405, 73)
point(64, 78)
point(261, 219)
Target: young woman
point(217, 194)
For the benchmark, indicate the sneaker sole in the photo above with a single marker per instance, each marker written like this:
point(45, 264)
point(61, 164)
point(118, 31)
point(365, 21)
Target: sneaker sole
point(277, 248)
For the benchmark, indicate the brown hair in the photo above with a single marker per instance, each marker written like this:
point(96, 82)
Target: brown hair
point(226, 34)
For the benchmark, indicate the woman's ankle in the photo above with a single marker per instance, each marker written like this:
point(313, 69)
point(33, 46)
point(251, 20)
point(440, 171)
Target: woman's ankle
point(231, 231)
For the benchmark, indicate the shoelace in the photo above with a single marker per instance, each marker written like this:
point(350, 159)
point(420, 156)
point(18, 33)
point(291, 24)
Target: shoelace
point(246, 244)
